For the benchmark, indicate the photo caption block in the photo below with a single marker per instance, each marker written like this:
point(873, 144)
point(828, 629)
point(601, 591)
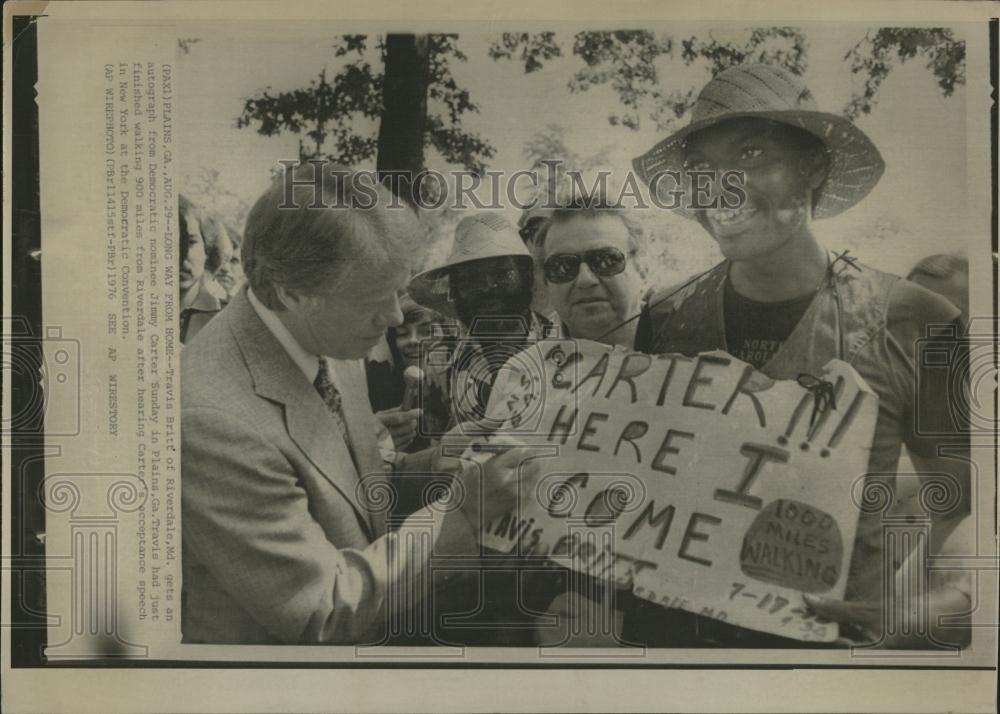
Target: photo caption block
point(112, 490)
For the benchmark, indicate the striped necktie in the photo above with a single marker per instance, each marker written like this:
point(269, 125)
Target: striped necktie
point(331, 397)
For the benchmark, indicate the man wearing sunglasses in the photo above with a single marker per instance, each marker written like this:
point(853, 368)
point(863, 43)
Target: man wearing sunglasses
point(586, 251)
point(586, 255)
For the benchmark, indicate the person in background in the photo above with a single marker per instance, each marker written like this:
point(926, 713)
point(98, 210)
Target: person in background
point(191, 251)
point(587, 254)
point(528, 226)
point(387, 368)
point(416, 332)
point(486, 283)
point(947, 275)
point(531, 222)
point(205, 248)
point(390, 383)
point(229, 276)
point(219, 249)
point(786, 305)
point(399, 350)
point(585, 251)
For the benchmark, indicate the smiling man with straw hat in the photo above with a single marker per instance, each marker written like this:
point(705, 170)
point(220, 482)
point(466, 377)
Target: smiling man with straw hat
point(486, 282)
point(786, 305)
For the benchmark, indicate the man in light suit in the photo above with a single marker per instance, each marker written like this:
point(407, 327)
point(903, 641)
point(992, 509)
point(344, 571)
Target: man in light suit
point(284, 488)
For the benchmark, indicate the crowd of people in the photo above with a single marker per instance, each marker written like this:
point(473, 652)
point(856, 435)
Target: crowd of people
point(331, 368)
point(210, 270)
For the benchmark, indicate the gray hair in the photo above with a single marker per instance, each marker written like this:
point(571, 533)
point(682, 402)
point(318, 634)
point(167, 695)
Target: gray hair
point(309, 243)
point(217, 253)
point(590, 210)
point(942, 266)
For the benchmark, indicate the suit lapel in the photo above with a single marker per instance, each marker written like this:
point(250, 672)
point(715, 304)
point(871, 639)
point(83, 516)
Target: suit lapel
point(310, 425)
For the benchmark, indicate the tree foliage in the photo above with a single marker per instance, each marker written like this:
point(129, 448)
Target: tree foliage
point(334, 110)
point(215, 197)
point(532, 49)
point(627, 60)
point(545, 148)
point(444, 130)
point(339, 116)
point(630, 62)
point(877, 54)
point(551, 143)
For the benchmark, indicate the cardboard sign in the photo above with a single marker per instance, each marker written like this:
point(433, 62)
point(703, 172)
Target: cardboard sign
point(703, 484)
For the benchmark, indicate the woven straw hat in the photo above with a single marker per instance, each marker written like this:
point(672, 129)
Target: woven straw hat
point(483, 235)
point(768, 92)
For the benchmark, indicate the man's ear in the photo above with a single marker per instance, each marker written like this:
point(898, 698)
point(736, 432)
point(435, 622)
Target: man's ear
point(290, 299)
point(814, 167)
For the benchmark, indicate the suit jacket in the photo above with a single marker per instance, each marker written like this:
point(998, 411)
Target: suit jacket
point(282, 540)
point(198, 314)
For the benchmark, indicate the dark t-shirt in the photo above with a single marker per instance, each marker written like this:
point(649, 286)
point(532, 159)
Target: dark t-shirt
point(921, 325)
point(755, 331)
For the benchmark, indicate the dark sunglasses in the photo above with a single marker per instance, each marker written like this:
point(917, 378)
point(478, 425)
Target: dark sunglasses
point(603, 262)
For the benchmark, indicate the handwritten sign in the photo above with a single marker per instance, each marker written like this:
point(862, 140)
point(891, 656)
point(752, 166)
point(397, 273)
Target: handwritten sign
point(703, 484)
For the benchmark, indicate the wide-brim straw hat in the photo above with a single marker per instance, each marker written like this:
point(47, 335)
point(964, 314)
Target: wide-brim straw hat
point(769, 92)
point(483, 235)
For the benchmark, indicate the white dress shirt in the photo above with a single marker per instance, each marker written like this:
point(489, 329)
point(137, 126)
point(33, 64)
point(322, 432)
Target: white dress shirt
point(306, 361)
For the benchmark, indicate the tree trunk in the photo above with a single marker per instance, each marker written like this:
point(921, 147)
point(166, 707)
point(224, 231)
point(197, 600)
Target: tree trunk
point(404, 114)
